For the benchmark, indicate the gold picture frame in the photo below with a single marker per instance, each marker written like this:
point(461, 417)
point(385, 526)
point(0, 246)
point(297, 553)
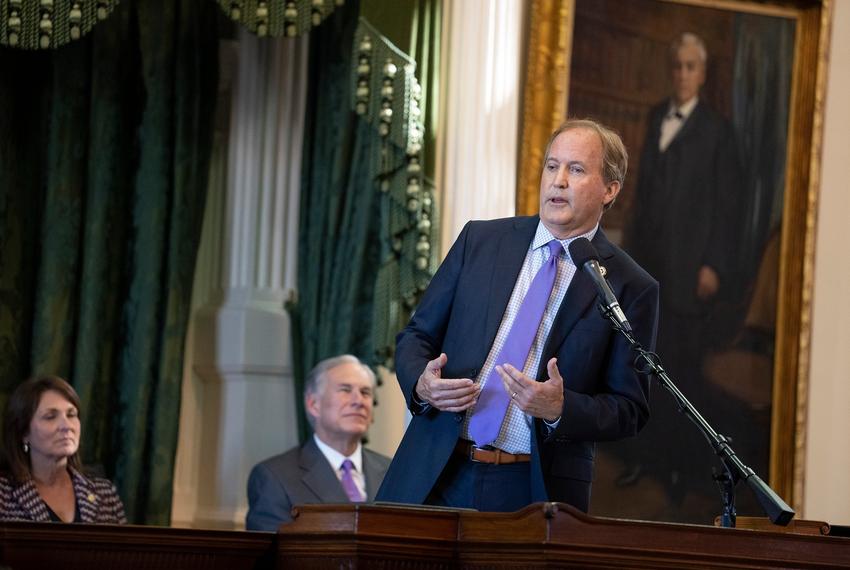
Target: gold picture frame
point(546, 89)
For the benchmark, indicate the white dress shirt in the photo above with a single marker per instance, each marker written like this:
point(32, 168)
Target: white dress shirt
point(335, 458)
point(673, 121)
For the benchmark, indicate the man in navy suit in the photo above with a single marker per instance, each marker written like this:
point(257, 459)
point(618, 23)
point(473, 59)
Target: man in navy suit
point(577, 385)
point(338, 397)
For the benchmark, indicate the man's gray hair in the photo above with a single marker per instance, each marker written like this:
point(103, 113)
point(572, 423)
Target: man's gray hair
point(615, 158)
point(689, 39)
point(315, 381)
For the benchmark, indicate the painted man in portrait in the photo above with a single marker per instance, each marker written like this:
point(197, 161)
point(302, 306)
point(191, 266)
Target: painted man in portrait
point(683, 231)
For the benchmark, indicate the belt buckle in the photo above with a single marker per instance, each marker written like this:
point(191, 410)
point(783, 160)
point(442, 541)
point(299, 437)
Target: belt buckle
point(473, 448)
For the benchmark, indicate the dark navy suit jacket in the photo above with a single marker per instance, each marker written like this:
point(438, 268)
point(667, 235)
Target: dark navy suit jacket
point(460, 313)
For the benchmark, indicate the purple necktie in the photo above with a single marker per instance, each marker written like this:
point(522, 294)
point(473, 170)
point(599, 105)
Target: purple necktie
point(486, 420)
point(348, 482)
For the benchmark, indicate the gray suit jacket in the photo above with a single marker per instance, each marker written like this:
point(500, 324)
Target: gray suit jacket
point(302, 476)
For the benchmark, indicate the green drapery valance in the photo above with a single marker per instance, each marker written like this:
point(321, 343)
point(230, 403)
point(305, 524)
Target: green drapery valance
point(387, 96)
point(279, 18)
point(43, 24)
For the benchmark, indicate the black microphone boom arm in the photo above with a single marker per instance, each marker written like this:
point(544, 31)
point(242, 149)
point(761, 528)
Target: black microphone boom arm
point(774, 507)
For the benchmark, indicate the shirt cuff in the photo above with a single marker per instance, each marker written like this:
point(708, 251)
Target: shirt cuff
point(419, 406)
point(551, 426)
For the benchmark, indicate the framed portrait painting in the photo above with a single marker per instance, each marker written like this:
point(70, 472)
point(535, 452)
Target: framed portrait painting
point(719, 105)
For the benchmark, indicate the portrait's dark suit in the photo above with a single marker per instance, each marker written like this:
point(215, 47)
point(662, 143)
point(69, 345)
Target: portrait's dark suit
point(685, 216)
point(460, 315)
point(301, 476)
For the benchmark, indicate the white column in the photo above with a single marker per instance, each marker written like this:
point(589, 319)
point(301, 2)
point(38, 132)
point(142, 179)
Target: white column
point(826, 495)
point(239, 397)
point(477, 151)
point(476, 146)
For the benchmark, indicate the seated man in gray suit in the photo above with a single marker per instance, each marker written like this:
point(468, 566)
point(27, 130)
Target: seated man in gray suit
point(332, 466)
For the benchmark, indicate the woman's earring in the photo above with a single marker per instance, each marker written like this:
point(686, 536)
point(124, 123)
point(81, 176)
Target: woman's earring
point(26, 447)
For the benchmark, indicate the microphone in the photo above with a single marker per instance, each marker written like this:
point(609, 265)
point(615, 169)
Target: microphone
point(585, 256)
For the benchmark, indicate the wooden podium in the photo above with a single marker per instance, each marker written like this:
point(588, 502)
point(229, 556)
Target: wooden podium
point(544, 535)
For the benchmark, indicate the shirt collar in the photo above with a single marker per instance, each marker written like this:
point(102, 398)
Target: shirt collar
point(684, 110)
point(335, 458)
point(543, 236)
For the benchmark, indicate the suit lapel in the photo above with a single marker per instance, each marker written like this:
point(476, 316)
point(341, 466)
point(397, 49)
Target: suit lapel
point(319, 476)
point(580, 294)
point(372, 472)
point(655, 127)
point(690, 124)
point(510, 256)
point(86, 497)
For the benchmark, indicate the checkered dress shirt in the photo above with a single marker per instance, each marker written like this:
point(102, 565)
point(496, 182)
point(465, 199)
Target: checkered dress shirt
point(515, 433)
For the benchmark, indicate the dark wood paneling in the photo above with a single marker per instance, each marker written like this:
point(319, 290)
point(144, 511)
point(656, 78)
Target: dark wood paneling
point(71, 547)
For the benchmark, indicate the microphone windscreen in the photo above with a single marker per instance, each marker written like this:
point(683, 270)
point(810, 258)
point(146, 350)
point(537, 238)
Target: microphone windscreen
point(582, 251)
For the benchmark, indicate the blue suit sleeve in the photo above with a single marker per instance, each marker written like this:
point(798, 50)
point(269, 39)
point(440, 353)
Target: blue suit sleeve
point(422, 339)
point(620, 407)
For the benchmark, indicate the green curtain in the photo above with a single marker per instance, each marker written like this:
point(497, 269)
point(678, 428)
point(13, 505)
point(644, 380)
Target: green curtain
point(340, 241)
point(103, 171)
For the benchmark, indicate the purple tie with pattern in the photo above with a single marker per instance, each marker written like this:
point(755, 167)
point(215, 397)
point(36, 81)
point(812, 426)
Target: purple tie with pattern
point(348, 482)
point(486, 420)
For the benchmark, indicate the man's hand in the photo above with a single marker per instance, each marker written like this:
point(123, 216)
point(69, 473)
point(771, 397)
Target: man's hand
point(446, 394)
point(707, 283)
point(540, 399)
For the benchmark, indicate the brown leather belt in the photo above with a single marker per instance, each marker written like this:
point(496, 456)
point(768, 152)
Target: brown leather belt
point(494, 456)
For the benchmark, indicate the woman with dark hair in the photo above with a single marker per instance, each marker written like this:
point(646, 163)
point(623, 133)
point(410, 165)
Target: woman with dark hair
point(41, 478)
